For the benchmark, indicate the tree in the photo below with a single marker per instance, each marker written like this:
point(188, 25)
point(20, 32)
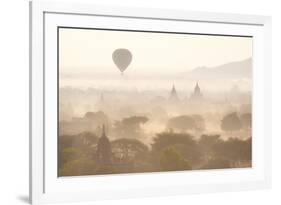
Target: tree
point(231, 122)
point(68, 154)
point(82, 140)
point(234, 149)
point(171, 160)
point(208, 140)
point(246, 120)
point(66, 141)
point(168, 139)
point(217, 163)
point(206, 144)
point(128, 149)
point(78, 167)
point(199, 122)
point(135, 120)
point(181, 123)
point(97, 119)
point(74, 147)
point(182, 143)
point(87, 138)
point(130, 127)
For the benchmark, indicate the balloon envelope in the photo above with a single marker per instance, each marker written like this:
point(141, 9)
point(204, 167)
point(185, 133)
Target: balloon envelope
point(122, 58)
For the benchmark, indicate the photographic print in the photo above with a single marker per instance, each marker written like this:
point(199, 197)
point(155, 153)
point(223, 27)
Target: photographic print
point(143, 101)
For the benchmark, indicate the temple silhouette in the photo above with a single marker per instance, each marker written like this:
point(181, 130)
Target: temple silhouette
point(104, 153)
point(196, 95)
point(174, 95)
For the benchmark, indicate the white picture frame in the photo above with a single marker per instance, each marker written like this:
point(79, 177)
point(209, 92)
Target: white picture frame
point(46, 187)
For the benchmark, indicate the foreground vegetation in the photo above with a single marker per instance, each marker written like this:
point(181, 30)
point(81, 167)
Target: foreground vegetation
point(169, 151)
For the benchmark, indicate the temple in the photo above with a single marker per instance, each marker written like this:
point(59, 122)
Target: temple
point(104, 153)
point(196, 95)
point(173, 95)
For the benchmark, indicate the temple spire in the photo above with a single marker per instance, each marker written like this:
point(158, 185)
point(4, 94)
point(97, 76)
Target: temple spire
point(104, 154)
point(173, 94)
point(196, 95)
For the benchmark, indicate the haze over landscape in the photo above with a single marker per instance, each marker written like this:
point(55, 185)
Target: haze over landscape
point(182, 103)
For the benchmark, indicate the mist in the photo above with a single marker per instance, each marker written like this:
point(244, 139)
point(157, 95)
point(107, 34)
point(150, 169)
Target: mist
point(175, 104)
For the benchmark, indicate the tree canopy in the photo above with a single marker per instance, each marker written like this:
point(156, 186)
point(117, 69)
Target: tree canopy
point(167, 139)
point(246, 119)
point(171, 160)
point(127, 149)
point(181, 123)
point(231, 122)
point(129, 127)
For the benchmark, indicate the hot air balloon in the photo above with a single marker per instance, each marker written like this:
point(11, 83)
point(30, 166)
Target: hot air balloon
point(122, 58)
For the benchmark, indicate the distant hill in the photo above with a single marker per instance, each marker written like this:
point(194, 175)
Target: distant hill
point(233, 70)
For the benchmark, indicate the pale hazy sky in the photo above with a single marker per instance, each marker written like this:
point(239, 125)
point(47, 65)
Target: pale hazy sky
point(85, 51)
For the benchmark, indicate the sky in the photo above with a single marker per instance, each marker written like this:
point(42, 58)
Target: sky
point(90, 51)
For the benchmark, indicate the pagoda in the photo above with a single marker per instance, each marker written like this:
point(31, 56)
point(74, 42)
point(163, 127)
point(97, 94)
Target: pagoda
point(104, 153)
point(173, 95)
point(196, 95)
